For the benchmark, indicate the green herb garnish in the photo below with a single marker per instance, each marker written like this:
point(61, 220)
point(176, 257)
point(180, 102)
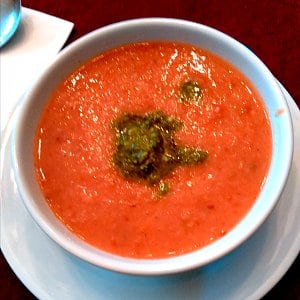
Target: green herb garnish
point(146, 149)
point(190, 91)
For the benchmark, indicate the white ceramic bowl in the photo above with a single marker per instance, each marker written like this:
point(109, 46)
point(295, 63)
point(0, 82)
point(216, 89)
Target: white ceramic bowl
point(146, 30)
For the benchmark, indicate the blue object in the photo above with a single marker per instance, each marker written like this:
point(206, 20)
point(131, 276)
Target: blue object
point(9, 19)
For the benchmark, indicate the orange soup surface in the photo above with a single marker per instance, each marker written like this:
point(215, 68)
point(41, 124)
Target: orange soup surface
point(75, 142)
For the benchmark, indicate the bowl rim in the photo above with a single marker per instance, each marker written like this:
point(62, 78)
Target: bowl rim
point(160, 266)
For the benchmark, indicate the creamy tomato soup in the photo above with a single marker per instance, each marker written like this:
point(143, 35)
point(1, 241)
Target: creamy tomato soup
point(190, 206)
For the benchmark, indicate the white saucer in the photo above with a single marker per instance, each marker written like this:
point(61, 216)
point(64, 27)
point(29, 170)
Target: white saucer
point(249, 272)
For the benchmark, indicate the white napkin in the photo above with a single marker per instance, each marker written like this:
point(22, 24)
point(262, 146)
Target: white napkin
point(35, 44)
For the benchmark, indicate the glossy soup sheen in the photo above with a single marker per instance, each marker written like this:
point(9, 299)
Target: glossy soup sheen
point(75, 142)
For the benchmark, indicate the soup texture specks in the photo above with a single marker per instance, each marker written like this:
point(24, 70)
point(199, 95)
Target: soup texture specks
point(75, 144)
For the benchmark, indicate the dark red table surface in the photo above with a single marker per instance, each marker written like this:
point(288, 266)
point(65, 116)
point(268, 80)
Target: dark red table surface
point(271, 29)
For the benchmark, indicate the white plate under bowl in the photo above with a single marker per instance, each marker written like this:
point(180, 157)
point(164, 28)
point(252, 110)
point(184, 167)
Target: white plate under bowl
point(249, 272)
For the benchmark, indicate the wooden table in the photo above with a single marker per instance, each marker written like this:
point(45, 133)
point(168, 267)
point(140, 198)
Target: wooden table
point(270, 28)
